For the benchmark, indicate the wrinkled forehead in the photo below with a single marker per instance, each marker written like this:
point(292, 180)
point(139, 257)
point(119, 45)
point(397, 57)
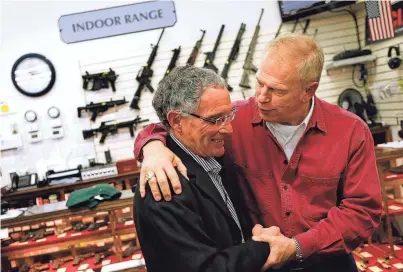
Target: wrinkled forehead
point(273, 72)
point(261, 75)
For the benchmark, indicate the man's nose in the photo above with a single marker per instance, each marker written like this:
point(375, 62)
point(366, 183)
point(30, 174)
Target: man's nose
point(264, 96)
point(227, 128)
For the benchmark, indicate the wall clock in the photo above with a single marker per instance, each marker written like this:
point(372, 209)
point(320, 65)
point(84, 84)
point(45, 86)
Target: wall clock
point(33, 75)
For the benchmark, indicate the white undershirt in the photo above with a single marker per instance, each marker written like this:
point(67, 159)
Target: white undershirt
point(288, 136)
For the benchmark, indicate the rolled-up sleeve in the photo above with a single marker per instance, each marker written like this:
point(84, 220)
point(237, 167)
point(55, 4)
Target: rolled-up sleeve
point(150, 133)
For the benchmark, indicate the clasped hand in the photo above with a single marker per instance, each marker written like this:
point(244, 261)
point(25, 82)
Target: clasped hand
point(282, 249)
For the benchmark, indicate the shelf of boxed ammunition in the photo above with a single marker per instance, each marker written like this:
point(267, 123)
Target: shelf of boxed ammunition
point(386, 249)
point(375, 257)
point(395, 206)
point(393, 178)
point(57, 243)
point(58, 210)
point(22, 194)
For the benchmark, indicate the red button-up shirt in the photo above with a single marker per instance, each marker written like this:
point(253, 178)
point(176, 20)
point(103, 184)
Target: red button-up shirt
point(327, 196)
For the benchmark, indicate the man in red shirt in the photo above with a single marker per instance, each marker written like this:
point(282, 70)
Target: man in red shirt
point(303, 165)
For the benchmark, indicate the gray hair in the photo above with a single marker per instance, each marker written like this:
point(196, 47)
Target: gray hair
point(182, 88)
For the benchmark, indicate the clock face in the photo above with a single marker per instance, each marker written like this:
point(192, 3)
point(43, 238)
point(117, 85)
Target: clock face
point(33, 75)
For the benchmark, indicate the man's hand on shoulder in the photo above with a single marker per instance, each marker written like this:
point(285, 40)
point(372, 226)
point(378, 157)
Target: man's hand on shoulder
point(157, 168)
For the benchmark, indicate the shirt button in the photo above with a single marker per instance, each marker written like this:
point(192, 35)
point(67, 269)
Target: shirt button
point(285, 187)
point(285, 162)
point(287, 213)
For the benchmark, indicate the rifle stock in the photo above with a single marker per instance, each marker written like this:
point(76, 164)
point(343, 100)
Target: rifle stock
point(79, 109)
point(86, 79)
point(135, 101)
point(244, 80)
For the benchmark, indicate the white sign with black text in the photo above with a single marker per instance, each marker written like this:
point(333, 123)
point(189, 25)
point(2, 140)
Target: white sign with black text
point(114, 21)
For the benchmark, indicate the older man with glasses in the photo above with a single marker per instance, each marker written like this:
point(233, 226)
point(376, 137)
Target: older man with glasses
point(206, 228)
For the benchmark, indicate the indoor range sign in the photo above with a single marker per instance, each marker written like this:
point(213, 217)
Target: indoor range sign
point(114, 21)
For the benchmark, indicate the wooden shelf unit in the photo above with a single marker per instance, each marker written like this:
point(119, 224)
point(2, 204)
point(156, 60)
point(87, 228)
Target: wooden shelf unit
point(384, 155)
point(59, 210)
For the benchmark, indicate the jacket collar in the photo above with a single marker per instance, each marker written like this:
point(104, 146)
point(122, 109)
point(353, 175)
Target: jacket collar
point(198, 176)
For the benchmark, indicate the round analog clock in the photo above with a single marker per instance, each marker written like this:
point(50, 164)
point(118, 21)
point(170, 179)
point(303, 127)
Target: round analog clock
point(33, 75)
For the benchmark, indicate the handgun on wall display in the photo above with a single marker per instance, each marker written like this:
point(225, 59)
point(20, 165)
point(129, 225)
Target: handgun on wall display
point(100, 80)
point(97, 108)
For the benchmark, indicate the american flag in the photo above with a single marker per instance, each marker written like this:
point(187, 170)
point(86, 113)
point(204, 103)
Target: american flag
point(380, 24)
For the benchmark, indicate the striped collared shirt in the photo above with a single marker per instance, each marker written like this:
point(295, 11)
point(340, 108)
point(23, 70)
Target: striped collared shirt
point(213, 168)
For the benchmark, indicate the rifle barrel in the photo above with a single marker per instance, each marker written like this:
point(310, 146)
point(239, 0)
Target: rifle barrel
point(217, 43)
point(204, 32)
point(161, 36)
point(260, 18)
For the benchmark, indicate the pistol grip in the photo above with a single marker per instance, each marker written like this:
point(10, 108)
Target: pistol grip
point(94, 115)
point(135, 103)
point(103, 137)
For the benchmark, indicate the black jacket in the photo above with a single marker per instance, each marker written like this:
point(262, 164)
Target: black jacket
point(195, 231)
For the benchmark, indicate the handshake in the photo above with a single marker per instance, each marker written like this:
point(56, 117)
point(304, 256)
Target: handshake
point(282, 249)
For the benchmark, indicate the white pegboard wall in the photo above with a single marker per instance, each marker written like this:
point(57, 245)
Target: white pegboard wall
point(128, 65)
point(337, 33)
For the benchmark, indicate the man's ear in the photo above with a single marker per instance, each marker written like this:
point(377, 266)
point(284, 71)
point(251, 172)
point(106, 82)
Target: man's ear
point(310, 91)
point(174, 120)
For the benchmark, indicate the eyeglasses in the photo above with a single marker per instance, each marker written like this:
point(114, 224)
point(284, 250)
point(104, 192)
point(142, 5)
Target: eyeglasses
point(219, 121)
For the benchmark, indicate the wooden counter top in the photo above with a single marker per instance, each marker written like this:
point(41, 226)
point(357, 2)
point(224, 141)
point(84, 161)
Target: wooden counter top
point(386, 154)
